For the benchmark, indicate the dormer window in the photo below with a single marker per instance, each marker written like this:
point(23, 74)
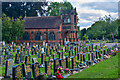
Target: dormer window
point(67, 20)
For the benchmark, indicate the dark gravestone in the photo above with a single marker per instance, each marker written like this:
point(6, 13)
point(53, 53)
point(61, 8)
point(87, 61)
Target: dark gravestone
point(48, 68)
point(78, 56)
point(36, 71)
point(43, 58)
point(34, 60)
point(39, 53)
point(104, 52)
point(53, 56)
point(96, 54)
point(8, 69)
point(26, 71)
point(84, 57)
point(67, 62)
point(18, 51)
point(73, 62)
point(89, 57)
point(56, 64)
point(92, 46)
point(62, 63)
point(92, 56)
point(59, 55)
point(46, 51)
point(76, 51)
point(17, 57)
point(17, 72)
point(27, 59)
point(96, 47)
point(81, 58)
point(22, 57)
point(51, 51)
point(70, 54)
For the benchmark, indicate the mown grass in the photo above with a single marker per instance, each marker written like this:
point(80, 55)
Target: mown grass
point(104, 69)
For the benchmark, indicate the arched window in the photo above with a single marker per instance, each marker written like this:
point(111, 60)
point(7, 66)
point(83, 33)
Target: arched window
point(26, 36)
point(52, 36)
point(38, 36)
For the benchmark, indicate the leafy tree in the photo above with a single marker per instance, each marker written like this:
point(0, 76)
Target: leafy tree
point(106, 26)
point(55, 8)
point(16, 9)
point(11, 28)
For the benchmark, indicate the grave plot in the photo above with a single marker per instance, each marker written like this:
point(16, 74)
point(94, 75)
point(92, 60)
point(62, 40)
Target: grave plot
point(42, 62)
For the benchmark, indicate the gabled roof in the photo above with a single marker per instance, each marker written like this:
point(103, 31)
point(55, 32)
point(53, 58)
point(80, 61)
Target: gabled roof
point(43, 22)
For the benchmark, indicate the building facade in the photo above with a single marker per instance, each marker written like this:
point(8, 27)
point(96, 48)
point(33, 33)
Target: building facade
point(51, 29)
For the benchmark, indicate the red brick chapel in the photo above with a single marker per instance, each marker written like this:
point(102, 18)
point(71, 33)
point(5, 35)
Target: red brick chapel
point(51, 29)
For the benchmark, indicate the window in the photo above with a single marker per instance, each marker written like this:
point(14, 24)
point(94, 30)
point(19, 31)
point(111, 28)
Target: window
point(69, 20)
point(64, 20)
point(51, 36)
point(38, 36)
point(74, 27)
point(26, 36)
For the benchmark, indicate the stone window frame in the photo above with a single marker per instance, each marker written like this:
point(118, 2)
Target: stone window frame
point(49, 36)
point(38, 36)
point(26, 36)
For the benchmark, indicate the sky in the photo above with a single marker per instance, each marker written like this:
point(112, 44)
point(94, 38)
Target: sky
point(90, 11)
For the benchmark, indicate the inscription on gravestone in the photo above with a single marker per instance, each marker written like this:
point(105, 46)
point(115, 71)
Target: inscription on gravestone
point(17, 72)
point(26, 71)
point(36, 70)
point(48, 68)
point(8, 69)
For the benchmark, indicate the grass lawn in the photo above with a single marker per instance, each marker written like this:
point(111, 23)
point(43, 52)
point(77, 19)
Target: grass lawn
point(104, 69)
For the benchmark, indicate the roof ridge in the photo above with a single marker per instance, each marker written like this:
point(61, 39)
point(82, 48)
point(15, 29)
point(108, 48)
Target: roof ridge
point(41, 16)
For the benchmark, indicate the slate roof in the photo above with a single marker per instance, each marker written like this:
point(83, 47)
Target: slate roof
point(49, 22)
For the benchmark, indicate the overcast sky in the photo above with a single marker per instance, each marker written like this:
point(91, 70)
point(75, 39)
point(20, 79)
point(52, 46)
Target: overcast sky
point(89, 11)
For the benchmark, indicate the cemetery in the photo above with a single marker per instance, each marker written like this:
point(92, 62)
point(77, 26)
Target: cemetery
point(35, 61)
point(44, 41)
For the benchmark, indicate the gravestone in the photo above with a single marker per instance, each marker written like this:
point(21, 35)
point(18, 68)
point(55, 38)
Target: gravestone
point(81, 58)
point(22, 57)
point(67, 62)
point(56, 64)
point(26, 71)
point(39, 53)
point(84, 57)
point(8, 68)
point(96, 54)
point(2, 60)
point(34, 60)
point(104, 52)
point(17, 72)
point(43, 58)
point(73, 62)
point(27, 59)
point(17, 57)
point(10, 56)
point(62, 63)
point(48, 68)
point(92, 56)
point(36, 71)
point(78, 56)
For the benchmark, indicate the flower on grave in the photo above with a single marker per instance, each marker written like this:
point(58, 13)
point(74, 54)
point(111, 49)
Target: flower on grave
point(82, 62)
point(59, 75)
point(51, 59)
point(65, 58)
point(33, 46)
point(100, 55)
point(109, 53)
point(67, 70)
point(58, 51)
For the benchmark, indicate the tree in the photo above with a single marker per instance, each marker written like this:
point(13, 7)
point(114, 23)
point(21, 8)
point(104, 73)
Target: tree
point(55, 8)
point(106, 26)
point(11, 28)
point(16, 9)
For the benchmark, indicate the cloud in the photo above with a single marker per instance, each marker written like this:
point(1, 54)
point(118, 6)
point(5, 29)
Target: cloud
point(107, 6)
